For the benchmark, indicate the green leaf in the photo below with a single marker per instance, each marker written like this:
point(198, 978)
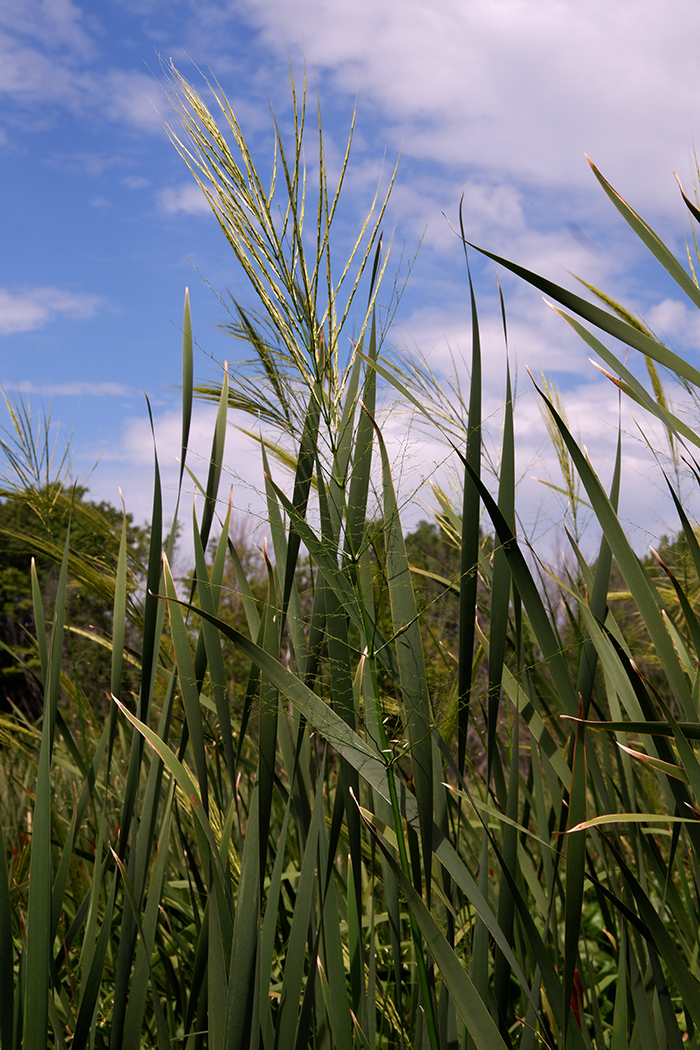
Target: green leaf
point(626, 333)
point(142, 970)
point(209, 591)
point(188, 683)
point(409, 655)
point(467, 1000)
point(650, 239)
point(246, 936)
point(645, 596)
point(661, 940)
point(631, 818)
point(39, 926)
point(669, 768)
point(187, 383)
point(215, 462)
point(178, 771)
point(7, 975)
point(471, 528)
point(290, 996)
point(161, 1026)
point(575, 864)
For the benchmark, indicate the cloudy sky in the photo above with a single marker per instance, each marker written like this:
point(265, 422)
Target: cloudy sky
point(102, 226)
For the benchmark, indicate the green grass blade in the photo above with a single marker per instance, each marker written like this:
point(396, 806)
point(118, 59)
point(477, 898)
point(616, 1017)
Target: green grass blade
point(626, 381)
point(188, 683)
point(150, 642)
point(140, 855)
point(506, 903)
point(249, 604)
point(267, 936)
point(292, 614)
point(92, 984)
point(302, 487)
point(409, 654)
point(599, 591)
point(355, 943)
point(650, 239)
point(334, 992)
point(341, 680)
point(575, 863)
point(208, 591)
point(691, 620)
point(267, 733)
point(187, 384)
point(161, 1026)
point(530, 595)
point(87, 794)
point(688, 203)
point(691, 730)
point(362, 454)
point(618, 1039)
point(501, 579)
point(619, 329)
point(39, 622)
point(469, 553)
point(645, 597)
point(290, 996)
point(327, 564)
point(118, 629)
point(137, 999)
point(215, 463)
point(39, 926)
point(467, 1000)
point(178, 771)
point(659, 938)
point(7, 975)
point(217, 979)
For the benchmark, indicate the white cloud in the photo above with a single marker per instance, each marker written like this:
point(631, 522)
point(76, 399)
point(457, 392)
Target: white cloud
point(133, 98)
point(88, 161)
point(56, 24)
point(514, 87)
point(187, 199)
point(136, 182)
point(675, 321)
point(47, 59)
point(128, 465)
point(30, 76)
point(498, 98)
point(27, 310)
point(419, 456)
point(77, 389)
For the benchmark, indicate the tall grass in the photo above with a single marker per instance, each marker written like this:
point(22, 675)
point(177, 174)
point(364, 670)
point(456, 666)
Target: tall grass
point(316, 859)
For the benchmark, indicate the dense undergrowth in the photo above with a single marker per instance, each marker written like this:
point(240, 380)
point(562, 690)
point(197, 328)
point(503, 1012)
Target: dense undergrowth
point(425, 810)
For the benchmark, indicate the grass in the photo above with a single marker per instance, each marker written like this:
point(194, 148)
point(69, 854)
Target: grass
point(313, 859)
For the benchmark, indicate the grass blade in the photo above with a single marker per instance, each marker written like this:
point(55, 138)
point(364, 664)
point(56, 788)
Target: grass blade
point(469, 553)
point(39, 950)
point(467, 1000)
point(7, 975)
point(187, 384)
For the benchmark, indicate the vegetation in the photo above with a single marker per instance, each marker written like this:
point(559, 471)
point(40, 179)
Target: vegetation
point(33, 524)
point(422, 808)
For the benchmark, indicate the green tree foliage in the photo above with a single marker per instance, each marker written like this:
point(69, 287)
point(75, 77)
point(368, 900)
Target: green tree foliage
point(33, 526)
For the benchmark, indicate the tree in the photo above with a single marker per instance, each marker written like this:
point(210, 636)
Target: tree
point(33, 525)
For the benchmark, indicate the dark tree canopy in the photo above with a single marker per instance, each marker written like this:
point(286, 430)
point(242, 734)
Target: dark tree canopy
point(33, 524)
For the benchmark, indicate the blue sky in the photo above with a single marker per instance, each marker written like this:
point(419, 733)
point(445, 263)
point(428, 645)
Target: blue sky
point(103, 227)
